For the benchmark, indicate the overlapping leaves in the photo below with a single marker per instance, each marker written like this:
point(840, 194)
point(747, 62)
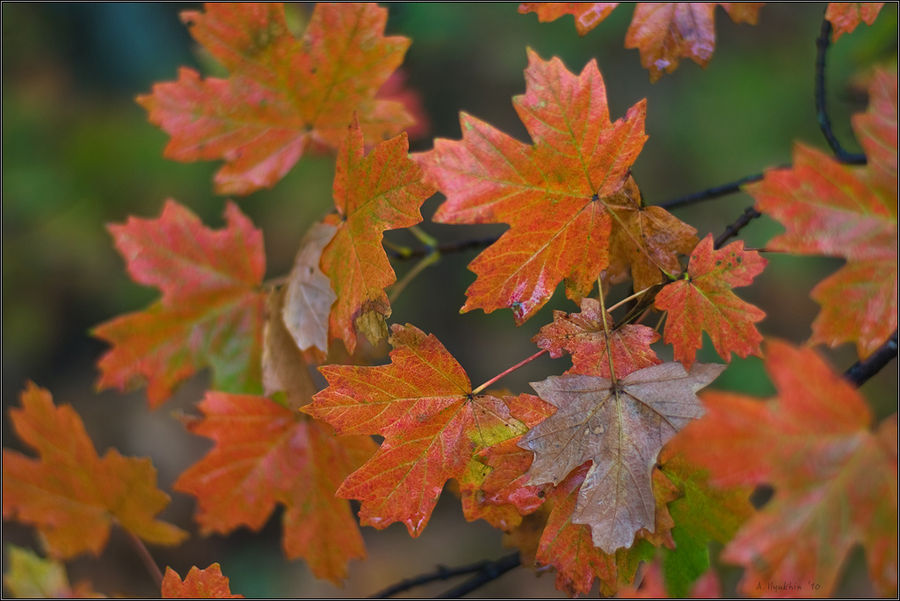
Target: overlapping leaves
point(284, 94)
point(835, 480)
point(265, 455)
point(559, 196)
point(422, 404)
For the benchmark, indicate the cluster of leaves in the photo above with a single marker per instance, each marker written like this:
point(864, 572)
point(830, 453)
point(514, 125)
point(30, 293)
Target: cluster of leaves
point(582, 476)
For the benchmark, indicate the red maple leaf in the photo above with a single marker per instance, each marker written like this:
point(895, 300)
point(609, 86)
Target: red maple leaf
point(836, 210)
point(211, 310)
point(558, 196)
point(265, 455)
point(835, 480)
point(568, 546)
point(663, 32)
point(845, 16)
point(208, 583)
point(284, 94)
point(594, 345)
point(373, 193)
point(703, 301)
point(433, 425)
point(72, 495)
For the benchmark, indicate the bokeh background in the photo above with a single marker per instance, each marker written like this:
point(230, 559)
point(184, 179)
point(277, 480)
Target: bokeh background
point(78, 153)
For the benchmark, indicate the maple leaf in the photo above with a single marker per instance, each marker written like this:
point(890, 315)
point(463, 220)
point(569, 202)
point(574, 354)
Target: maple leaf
point(584, 336)
point(701, 514)
point(32, 576)
point(845, 16)
point(373, 193)
point(557, 195)
point(495, 487)
point(587, 14)
point(432, 424)
point(210, 313)
point(647, 242)
point(266, 454)
point(620, 427)
point(569, 548)
point(835, 481)
point(208, 583)
point(836, 210)
point(284, 94)
point(72, 495)
point(663, 32)
point(308, 294)
point(703, 301)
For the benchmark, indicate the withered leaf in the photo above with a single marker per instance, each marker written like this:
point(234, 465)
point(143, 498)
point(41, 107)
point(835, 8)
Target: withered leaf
point(308, 296)
point(620, 428)
point(284, 368)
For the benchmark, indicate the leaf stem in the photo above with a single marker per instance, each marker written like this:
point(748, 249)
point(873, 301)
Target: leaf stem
point(822, 43)
point(429, 259)
point(147, 559)
point(612, 372)
point(446, 248)
point(421, 236)
point(508, 371)
point(402, 252)
point(628, 298)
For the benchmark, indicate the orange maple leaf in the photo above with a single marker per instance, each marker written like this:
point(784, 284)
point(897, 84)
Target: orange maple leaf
point(208, 583)
point(372, 193)
point(284, 93)
point(211, 310)
point(72, 495)
point(266, 454)
point(835, 480)
point(559, 196)
point(433, 425)
point(836, 210)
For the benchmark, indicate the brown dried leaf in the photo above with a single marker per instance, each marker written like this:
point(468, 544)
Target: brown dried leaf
point(620, 428)
point(284, 368)
point(308, 297)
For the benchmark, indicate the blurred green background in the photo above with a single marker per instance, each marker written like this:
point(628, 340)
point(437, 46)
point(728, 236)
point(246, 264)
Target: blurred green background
point(78, 153)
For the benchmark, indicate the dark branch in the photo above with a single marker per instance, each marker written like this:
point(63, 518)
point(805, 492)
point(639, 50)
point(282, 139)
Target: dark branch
point(491, 571)
point(860, 372)
point(842, 155)
point(449, 247)
point(709, 193)
point(441, 573)
point(746, 217)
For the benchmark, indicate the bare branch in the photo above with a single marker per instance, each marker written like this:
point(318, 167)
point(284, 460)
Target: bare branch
point(860, 372)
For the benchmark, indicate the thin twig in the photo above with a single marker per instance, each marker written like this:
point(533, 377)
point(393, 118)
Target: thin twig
point(822, 43)
point(714, 192)
point(746, 217)
point(146, 558)
point(491, 571)
point(860, 372)
point(441, 573)
point(449, 247)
